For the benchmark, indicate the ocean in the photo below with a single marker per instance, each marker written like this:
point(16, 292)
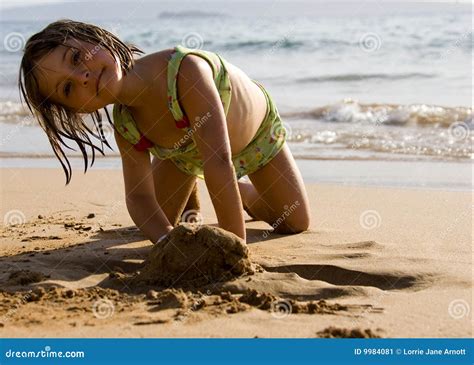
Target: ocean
point(377, 81)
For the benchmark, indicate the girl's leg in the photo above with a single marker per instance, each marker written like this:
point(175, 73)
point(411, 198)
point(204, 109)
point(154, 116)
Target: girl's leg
point(277, 194)
point(175, 191)
point(193, 200)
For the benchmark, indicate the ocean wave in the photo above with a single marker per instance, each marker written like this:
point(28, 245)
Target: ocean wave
point(17, 113)
point(50, 154)
point(384, 143)
point(423, 115)
point(348, 111)
point(384, 131)
point(13, 112)
point(347, 129)
point(363, 77)
point(191, 14)
point(270, 45)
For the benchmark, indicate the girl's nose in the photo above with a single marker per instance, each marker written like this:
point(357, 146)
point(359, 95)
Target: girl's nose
point(83, 77)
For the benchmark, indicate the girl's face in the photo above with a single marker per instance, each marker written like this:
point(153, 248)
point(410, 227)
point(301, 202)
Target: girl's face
point(81, 76)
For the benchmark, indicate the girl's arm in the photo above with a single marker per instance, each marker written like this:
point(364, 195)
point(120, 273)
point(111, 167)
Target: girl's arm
point(200, 98)
point(140, 192)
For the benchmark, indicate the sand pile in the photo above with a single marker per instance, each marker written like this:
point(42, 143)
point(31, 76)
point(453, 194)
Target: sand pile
point(24, 277)
point(193, 254)
point(225, 302)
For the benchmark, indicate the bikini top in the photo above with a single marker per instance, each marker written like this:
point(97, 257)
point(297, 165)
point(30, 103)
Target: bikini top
point(126, 126)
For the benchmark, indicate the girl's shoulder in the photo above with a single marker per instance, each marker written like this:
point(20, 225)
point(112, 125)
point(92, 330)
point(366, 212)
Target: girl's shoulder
point(156, 58)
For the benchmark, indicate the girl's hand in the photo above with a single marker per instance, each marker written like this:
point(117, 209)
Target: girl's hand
point(162, 238)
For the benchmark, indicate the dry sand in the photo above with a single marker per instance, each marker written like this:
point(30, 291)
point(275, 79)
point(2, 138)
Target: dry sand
point(376, 262)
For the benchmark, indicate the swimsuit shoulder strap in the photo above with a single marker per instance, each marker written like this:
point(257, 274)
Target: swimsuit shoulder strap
point(221, 79)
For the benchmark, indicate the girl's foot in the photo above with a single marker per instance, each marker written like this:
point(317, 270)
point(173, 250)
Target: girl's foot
point(247, 210)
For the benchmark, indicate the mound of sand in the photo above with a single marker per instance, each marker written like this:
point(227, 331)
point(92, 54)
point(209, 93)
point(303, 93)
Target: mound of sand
point(25, 277)
point(193, 254)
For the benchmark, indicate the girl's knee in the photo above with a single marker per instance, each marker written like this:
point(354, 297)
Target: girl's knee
point(296, 224)
point(291, 228)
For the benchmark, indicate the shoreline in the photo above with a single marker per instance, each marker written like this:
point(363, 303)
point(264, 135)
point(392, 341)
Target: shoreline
point(409, 174)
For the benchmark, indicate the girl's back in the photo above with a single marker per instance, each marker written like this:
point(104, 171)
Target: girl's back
point(155, 120)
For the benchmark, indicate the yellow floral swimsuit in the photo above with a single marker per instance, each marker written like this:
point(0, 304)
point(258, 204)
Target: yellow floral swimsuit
point(265, 145)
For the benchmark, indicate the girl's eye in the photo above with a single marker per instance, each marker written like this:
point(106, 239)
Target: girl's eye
point(76, 57)
point(67, 88)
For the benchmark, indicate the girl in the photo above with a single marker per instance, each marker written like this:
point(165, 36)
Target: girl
point(198, 115)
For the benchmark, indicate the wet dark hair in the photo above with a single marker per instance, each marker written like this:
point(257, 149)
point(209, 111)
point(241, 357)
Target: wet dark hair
point(56, 120)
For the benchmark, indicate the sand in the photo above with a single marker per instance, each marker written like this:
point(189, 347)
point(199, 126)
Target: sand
point(376, 262)
point(193, 255)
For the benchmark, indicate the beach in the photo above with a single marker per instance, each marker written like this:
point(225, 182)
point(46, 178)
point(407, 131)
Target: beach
point(376, 262)
point(376, 102)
